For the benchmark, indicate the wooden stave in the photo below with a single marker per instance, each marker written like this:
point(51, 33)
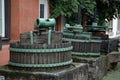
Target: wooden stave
point(16, 56)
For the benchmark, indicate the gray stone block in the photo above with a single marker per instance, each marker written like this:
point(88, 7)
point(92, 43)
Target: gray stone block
point(113, 57)
point(78, 71)
point(97, 66)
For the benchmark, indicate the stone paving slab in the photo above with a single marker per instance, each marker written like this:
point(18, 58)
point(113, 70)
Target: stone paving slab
point(113, 74)
point(114, 57)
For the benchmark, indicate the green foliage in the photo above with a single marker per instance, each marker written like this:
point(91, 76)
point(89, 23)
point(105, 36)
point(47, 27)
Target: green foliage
point(69, 7)
point(87, 6)
point(63, 7)
point(106, 9)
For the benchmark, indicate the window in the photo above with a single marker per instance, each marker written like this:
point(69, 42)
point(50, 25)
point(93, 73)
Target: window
point(2, 24)
point(43, 8)
point(5, 19)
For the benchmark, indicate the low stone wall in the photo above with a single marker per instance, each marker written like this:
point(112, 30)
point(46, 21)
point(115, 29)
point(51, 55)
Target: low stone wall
point(114, 53)
point(78, 71)
point(113, 59)
point(97, 66)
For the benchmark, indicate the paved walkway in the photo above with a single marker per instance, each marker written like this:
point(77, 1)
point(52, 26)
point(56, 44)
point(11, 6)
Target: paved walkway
point(113, 74)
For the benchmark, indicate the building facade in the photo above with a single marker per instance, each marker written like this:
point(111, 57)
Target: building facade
point(115, 32)
point(18, 16)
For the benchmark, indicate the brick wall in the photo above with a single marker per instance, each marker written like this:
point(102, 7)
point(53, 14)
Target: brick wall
point(23, 15)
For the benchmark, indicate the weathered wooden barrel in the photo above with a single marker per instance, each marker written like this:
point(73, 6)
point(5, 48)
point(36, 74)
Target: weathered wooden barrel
point(84, 45)
point(25, 38)
point(99, 31)
point(0, 43)
point(40, 55)
point(97, 28)
point(105, 42)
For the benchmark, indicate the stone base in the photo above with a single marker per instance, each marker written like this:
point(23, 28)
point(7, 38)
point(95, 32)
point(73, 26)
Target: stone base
point(78, 71)
point(97, 66)
point(113, 59)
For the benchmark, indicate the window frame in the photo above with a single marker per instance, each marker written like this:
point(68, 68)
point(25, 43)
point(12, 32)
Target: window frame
point(45, 2)
point(2, 5)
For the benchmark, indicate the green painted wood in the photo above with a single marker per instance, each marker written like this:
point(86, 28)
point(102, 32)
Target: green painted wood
point(44, 23)
point(31, 37)
point(49, 37)
point(85, 54)
point(77, 40)
point(40, 50)
point(83, 34)
point(73, 29)
point(41, 65)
